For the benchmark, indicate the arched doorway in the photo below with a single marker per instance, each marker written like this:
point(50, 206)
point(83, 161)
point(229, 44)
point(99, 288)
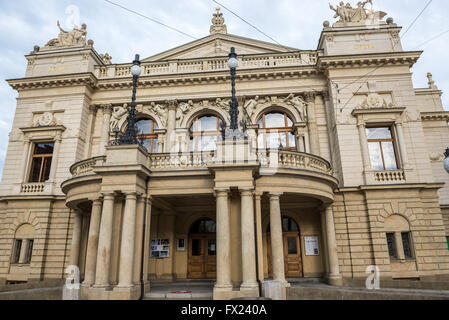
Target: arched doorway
point(202, 262)
point(292, 249)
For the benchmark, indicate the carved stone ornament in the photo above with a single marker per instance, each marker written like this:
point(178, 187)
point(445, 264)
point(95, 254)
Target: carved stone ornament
point(106, 58)
point(435, 156)
point(374, 101)
point(161, 112)
point(218, 25)
point(183, 109)
point(76, 37)
point(299, 104)
point(118, 114)
point(357, 15)
point(45, 120)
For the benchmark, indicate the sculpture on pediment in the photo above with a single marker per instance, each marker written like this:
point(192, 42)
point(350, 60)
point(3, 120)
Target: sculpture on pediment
point(183, 109)
point(373, 101)
point(47, 119)
point(118, 114)
point(299, 104)
point(106, 58)
point(161, 112)
point(360, 14)
point(218, 25)
point(76, 37)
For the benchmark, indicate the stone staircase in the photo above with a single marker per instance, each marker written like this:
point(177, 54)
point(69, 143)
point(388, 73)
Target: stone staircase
point(181, 290)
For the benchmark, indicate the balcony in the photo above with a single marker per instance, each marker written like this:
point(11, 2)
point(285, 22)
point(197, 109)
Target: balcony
point(394, 176)
point(300, 58)
point(86, 167)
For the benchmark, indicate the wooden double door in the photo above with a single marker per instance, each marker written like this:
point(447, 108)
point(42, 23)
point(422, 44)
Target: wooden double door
point(202, 262)
point(292, 255)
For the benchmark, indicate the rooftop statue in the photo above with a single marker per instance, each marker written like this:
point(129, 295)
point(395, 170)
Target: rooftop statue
point(76, 37)
point(218, 25)
point(360, 14)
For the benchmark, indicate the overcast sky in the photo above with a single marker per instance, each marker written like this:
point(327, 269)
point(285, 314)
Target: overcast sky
point(294, 23)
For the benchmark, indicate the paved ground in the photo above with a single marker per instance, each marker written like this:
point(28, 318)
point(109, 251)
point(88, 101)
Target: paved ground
point(182, 290)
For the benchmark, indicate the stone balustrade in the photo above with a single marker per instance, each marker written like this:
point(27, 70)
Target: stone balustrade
point(180, 161)
point(293, 160)
point(86, 166)
point(33, 187)
point(389, 176)
point(299, 58)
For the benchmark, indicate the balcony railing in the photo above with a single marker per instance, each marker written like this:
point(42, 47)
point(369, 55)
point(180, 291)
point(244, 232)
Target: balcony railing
point(85, 167)
point(293, 160)
point(300, 58)
point(33, 187)
point(389, 176)
point(179, 161)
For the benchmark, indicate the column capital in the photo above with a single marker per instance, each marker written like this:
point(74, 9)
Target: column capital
point(361, 123)
point(221, 192)
point(258, 194)
point(172, 104)
point(310, 97)
point(246, 190)
point(275, 195)
point(131, 194)
point(326, 206)
point(97, 202)
point(107, 108)
point(108, 195)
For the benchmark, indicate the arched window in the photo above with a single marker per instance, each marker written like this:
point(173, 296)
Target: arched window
point(145, 134)
point(23, 245)
point(204, 133)
point(399, 238)
point(276, 131)
point(204, 226)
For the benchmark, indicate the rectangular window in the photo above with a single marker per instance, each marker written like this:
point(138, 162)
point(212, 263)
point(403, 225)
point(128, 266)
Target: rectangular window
point(447, 239)
point(41, 162)
point(382, 149)
point(406, 243)
point(16, 253)
point(29, 252)
point(392, 246)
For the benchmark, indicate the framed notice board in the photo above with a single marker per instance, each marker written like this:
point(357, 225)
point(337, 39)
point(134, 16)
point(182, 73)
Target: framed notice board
point(160, 248)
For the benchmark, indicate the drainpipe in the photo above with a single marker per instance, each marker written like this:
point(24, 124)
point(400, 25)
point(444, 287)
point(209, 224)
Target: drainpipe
point(142, 261)
point(259, 281)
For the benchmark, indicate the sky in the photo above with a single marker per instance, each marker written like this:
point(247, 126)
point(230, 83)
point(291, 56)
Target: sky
point(294, 23)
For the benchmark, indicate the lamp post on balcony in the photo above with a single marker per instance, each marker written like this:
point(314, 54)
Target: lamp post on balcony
point(130, 136)
point(234, 132)
point(446, 160)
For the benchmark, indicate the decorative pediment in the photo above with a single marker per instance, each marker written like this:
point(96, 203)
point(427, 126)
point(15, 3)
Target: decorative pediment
point(218, 45)
point(374, 101)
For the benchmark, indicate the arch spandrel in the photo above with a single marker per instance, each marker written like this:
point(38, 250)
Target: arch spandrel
point(204, 111)
point(275, 105)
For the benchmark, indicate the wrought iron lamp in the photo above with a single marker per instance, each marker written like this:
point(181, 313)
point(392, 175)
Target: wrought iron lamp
point(233, 64)
point(130, 136)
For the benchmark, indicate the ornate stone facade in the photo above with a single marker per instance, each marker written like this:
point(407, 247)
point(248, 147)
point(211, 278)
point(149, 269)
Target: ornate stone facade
point(306, 176)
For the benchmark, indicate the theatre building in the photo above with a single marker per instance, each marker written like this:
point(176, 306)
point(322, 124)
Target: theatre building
point(338, 166)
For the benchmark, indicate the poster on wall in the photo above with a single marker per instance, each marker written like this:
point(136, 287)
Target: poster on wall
point(160, 248)
point(181, 245)
point(312, 246)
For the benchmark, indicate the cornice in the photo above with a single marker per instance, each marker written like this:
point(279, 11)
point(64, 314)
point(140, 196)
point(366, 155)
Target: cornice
point(56, 81)
point(435, 116)
point(367, 60)
point(399, 110)
point(210, 77)
point(427, 91)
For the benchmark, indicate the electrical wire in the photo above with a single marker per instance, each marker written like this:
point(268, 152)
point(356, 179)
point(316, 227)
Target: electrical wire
point(151, 19)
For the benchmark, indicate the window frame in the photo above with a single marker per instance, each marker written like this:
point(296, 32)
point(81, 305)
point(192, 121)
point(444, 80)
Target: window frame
point(410, 245)
point(29, 251)
point(15, 259)
point(153, 137)
point(286, 129)
point(393, 140)
point(44, 158)
point(195, 134)
point(394, 244)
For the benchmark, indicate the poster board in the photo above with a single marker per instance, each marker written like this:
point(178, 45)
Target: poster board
point(312, 246)
point(160, 248)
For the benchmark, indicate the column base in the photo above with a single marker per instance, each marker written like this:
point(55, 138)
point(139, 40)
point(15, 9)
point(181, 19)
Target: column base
point(335, 280)
point(85, 290)
point(249, 286)
point(125, 293)
point(235, 294)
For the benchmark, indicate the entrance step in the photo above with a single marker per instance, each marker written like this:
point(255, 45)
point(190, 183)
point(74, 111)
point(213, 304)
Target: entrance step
point(181, 290)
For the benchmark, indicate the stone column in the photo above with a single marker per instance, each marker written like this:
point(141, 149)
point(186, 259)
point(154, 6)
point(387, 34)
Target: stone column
point(105, 242)
point(259, 237)
point(22, 176)
point(313, 127)
point(364, 145)
point(146, 255)
point(107, 112)
point(277, 245)
point(248, 241)
point(171, 125)
point(76, 240)
point(54, 160)
point(23, 251)
point(324, 242)
point(89, 130)
point(334, 269)
point(128, 242)
point(402, 147)
point(223, 242)
point(92, 243)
